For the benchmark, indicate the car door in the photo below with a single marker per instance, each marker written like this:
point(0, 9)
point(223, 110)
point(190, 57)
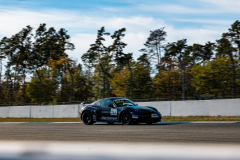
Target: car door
point(108, 113)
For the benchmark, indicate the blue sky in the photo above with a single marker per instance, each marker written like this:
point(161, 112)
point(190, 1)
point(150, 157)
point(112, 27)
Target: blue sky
point(198, 21)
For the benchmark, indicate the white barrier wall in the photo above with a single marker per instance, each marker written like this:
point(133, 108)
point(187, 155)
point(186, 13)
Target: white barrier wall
point(164, 107)
point(189, 108)
point(19, 111)
point(66, 111)
point(4, 112)
point(227, 107)
point(42, 111)
point(58, 111)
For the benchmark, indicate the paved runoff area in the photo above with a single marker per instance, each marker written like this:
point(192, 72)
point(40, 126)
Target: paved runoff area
point(202, 133)
point(71, 141)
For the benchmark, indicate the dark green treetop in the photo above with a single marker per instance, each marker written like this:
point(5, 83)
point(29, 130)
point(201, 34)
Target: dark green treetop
point(233, 34)
point(96, 50)
point(222, 47)
point(172, 51)
point(155, 44)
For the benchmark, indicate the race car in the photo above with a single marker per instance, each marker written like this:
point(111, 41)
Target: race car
point(116, 109)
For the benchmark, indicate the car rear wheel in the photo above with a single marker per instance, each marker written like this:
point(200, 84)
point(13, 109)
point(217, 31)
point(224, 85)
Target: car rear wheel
point(126, 118)
point(110, 123)
point(87, 118)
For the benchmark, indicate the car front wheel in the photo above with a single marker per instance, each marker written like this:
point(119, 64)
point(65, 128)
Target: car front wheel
point(126, 118)
point(87, 118)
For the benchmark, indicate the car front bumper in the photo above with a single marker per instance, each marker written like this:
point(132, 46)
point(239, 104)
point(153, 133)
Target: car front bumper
point(146, 118)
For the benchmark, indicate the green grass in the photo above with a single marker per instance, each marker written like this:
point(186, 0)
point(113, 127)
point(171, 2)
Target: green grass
point(164, 119)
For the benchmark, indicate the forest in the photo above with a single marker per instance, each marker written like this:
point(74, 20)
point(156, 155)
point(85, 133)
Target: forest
point(39, 70)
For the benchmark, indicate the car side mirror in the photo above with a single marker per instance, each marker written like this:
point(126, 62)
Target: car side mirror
point(136, 104)
point(83, 104)
point(110, 105)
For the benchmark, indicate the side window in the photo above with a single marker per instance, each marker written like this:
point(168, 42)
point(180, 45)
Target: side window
point(98, 103)
point(105, 103)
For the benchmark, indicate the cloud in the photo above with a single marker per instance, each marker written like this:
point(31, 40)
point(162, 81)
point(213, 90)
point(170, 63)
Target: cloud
point(193, 35)
point(206, 21)
point(83, 28)
point(170, 8)
point(136, 34)
point(224, 6)
point(137, 31)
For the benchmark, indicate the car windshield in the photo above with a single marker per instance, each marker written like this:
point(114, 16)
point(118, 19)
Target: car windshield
point(124, 102)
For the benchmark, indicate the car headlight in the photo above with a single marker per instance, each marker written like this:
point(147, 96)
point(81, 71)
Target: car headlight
point(158, 112)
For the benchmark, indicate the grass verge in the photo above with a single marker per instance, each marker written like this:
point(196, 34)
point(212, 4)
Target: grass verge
point(164, 119)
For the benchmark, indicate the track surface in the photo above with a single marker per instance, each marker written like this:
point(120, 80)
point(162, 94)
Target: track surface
point(213, 133)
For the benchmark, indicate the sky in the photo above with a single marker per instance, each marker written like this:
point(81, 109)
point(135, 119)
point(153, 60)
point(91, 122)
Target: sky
point(198, 21)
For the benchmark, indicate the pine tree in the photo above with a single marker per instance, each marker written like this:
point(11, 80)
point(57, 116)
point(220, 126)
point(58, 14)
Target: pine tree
point(223, 47)
point(233, 35)
point(155, 44)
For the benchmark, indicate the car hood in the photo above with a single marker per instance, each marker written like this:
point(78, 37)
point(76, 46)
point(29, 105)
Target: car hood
point(144, 109)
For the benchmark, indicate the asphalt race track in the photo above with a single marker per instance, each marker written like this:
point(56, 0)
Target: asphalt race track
point(211, 133)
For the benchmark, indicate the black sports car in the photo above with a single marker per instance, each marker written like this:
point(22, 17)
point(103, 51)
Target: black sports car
point(117, 109)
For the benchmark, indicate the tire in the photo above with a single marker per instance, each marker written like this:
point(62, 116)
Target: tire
point(87, 118)
point(110, 123)
point(126, 118)
point(149, 123)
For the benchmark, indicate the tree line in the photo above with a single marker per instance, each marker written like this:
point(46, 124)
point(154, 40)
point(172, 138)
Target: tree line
point(105, 71)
